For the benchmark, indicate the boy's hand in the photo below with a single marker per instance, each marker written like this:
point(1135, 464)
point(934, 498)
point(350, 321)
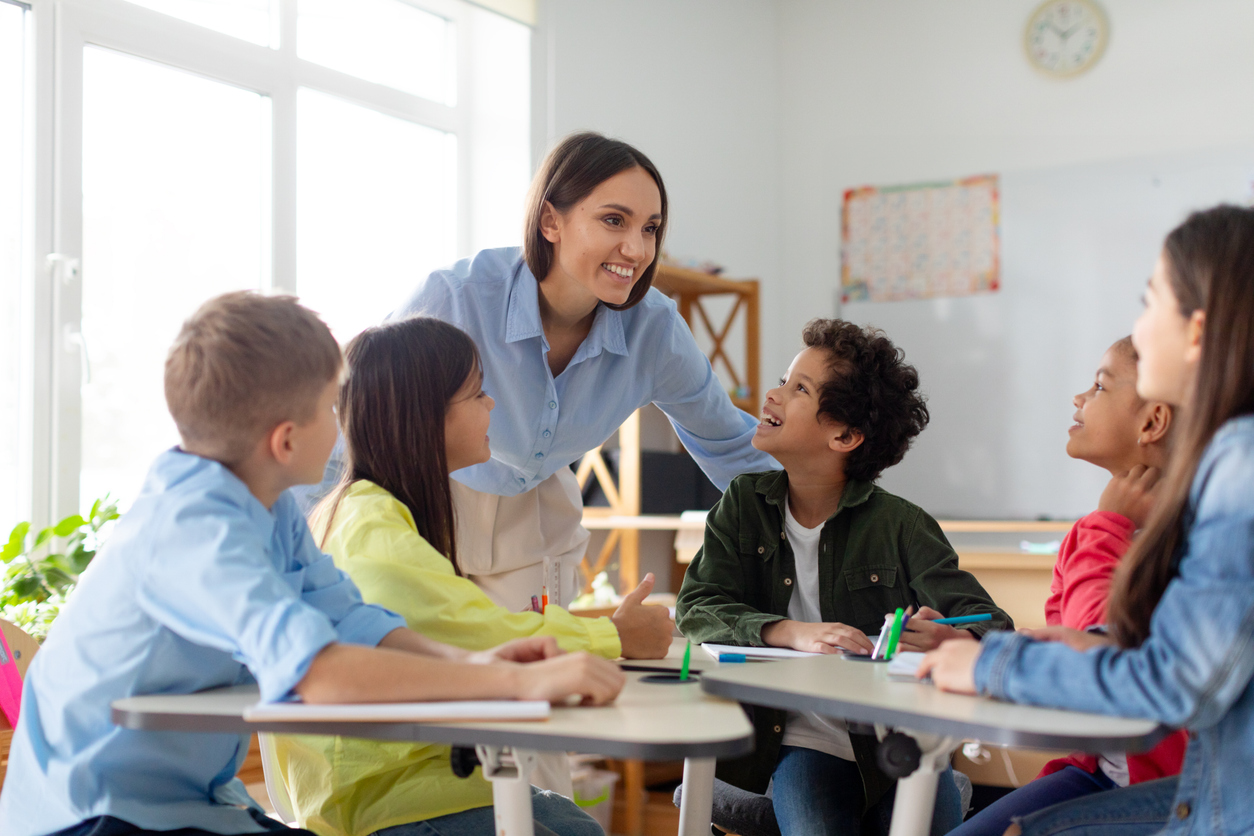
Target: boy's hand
point(919, 633)
point(644, 632)
point(594, 681)
point(952, 666)
point(1132, 494)
point(530, 649)
point(1080, 640)
point(818, 637)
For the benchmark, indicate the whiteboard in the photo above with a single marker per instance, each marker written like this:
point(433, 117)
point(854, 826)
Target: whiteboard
point(1000, 369)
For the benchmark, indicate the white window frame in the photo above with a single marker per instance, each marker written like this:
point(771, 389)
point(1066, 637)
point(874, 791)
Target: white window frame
point(62, 28)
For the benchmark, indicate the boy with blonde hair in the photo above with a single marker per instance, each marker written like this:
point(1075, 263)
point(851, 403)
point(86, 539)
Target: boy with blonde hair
point(212, 579)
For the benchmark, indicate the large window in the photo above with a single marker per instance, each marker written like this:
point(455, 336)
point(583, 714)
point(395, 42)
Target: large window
point(334, 149)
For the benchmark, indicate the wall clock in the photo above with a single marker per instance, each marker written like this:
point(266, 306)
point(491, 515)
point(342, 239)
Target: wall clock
point(1066, 37)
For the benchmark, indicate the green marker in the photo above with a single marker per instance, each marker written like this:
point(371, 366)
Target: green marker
point(683, 671)
point(898, 621)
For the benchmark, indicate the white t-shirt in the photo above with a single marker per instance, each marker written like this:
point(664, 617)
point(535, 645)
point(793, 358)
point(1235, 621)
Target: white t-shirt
point(807, 730)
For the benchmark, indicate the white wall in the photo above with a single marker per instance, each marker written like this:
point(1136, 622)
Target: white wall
point(883, 93)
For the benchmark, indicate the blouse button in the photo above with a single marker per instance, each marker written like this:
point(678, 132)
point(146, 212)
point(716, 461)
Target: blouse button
point(875, 579)
point(761, 549)
point(552, 404)
point(787, 581)
point(1182, 810)
point(547, 433)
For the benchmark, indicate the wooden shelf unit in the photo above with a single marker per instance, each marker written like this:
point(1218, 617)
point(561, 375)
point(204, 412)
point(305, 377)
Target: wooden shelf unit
point(690, 289)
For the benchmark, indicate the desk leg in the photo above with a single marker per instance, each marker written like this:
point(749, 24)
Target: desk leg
point(698, 797)
point(916, 793)
point(510, 770)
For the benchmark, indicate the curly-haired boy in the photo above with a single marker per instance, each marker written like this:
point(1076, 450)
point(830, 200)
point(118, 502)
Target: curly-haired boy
point(811, 558)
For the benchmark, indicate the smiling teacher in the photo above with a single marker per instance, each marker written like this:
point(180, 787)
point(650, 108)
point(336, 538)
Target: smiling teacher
point(573, 340)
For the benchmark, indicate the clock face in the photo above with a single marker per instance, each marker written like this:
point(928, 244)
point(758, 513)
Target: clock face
point(1066, 37)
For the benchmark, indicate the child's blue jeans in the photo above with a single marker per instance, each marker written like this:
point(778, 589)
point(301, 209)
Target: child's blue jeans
point(1065, 784)
point(816, 794)
point(1138, 810)
point(555, 815)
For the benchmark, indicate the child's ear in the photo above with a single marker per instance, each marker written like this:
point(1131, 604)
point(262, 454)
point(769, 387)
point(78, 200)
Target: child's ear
point(849, 440)
point(280, 443)
point(549, 226)
point(1196, 327)
point(1155, 425)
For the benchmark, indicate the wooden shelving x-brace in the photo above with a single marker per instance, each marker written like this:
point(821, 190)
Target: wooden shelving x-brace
point(688, 288)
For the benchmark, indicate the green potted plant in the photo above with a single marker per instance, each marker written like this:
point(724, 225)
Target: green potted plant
point(36, 578)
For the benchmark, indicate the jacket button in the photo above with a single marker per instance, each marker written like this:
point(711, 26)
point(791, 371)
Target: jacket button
point(761, 549)
point(787, 581)
point(1182, 810)
point(875, 579)
point(783, 536)
point(778, 729)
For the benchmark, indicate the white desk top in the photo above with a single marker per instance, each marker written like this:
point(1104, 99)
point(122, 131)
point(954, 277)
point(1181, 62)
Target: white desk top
point(649, 722)
point(862, 692)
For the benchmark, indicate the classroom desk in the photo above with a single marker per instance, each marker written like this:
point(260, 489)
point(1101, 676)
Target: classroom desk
point(863, 692)
point(650, 722)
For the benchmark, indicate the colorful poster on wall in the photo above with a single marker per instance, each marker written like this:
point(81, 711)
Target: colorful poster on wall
point(920, 241)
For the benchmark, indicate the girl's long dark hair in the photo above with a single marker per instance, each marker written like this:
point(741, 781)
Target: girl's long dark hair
point(1210, 263)
point(402, 376)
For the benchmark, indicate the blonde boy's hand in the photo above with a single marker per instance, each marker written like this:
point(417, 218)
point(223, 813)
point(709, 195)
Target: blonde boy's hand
point(1132, 494)
point(816, 637)
point(952, 666)
point(1075, 639)
point(593, 680)
point(920, 633)
point(530, 649)
point(644, 632)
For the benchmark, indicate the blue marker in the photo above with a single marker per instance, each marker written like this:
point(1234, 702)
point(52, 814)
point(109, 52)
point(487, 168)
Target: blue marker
point(731, 657)
point(965, 619)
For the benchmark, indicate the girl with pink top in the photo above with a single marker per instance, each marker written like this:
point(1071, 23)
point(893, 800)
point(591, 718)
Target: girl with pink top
point(1114, 429)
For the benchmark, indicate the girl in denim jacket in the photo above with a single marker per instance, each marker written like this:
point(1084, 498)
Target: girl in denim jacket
point(1182, 604)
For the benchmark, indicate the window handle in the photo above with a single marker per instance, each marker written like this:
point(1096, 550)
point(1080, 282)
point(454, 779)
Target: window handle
point(66, 268)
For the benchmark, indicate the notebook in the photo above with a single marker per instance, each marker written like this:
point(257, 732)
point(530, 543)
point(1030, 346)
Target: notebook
point(403, 712)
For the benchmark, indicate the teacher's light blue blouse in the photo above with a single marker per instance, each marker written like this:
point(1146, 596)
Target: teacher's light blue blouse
point(200, 586)
point(630, 358)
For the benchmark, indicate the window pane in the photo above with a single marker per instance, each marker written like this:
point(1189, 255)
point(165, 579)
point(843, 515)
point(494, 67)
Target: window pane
point(500, 164)
point(247, 19)
point(175, 210)
point(377, 201)
point(384, 41)
point(14, 499)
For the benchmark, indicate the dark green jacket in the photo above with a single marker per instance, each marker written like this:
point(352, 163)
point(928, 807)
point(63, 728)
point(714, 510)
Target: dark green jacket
point(876, 553)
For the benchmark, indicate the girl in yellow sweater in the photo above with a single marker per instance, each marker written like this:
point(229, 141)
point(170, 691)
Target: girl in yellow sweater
point(412, 411)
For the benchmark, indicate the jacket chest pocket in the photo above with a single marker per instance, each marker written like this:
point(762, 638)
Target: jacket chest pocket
point(873, 594)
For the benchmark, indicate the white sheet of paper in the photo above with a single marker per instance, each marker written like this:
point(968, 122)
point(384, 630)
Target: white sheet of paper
point(904, 663)
point(755, 652)
point(412, 712)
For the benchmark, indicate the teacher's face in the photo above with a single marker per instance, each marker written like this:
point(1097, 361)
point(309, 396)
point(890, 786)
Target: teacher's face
point(606, 241)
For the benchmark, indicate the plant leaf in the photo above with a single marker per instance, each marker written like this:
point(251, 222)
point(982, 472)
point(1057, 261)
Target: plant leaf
point(69, 525)
point(58, 579)
point(28, 588)
point(42, 537)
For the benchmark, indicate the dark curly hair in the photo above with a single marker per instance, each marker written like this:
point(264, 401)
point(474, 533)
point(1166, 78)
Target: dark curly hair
point(871, 389)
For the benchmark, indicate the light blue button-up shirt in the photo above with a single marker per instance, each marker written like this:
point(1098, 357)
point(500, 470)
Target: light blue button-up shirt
point(630, 358)
point(199, 586)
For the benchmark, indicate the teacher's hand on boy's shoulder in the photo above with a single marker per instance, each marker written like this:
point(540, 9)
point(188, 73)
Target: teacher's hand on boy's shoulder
point(921, 633)
point(1132, 494)
point(591, 679)
point(816, 637)
point(643, 631)
point(951, 666)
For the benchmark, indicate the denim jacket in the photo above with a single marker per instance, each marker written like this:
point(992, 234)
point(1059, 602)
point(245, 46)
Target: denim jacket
point(876, 553)
point(1194, 670)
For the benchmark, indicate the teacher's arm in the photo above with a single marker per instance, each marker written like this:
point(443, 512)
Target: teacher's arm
point(717, 434)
